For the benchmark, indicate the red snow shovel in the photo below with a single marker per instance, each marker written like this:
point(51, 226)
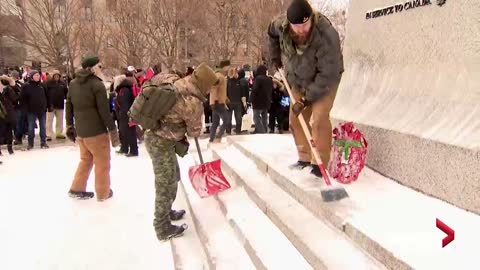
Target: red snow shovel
point(207, 178)
point(329, 193)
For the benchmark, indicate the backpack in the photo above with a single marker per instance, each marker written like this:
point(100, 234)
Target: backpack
point(152, 103)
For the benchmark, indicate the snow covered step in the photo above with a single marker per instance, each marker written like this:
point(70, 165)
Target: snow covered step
point(188, 251)
point(321, 245)
point(224, 249)
point(266, 245)
point(393, 223)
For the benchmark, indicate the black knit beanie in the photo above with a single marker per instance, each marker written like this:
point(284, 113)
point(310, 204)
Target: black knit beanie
point(90, 61)
point(299, 12)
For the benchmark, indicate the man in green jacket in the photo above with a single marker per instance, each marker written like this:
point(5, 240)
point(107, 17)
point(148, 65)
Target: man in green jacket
point(87, 103)
point(310, 48)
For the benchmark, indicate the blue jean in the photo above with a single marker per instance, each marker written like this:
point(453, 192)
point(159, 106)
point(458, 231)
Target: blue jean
point(218, 112)
point(21, 127)
point(42, 120)
point(260, 119)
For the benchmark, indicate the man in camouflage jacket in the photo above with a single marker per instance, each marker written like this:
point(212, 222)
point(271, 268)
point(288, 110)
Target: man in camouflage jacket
point(310, 48)
point(184, 118)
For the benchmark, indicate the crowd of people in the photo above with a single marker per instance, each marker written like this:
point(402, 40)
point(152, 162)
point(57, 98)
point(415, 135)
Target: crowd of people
point(30, 103)
point(303, 38)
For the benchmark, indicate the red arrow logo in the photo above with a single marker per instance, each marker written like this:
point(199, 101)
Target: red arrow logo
point(450, 233)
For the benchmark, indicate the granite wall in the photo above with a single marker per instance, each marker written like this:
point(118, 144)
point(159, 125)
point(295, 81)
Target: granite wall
point(412, 84)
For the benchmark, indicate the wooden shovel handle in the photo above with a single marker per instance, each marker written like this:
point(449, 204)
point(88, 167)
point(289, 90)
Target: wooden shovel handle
point(306, 131)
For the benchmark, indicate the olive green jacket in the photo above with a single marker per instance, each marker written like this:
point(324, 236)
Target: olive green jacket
point(316, 67)
point(87, 103)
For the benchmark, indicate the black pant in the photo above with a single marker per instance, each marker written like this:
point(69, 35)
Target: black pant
point(218, 112)
point(236, 108)
point(277, 115)
point(128, 135)
point(6, 133)
point(207, 111)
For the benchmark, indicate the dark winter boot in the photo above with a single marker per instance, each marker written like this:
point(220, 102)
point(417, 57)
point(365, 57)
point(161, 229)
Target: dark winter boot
point(132, 155)
point(121, 152)
point(173, 231)
point(10, 149)
point(316, 171)
point(17, 142)
point(1, 152)
point(300, 165)
point(81, 195)
point(30, 147)
point(49, 139)
point(44, 146)
point(176, 214)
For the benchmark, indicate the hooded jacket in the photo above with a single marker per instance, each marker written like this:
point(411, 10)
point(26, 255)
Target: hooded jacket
point(185, 117)
point(56, 92)
point(124, 97)
point(261, 96)
point(315, 69)
point(33, 97)
point(218, 94)
point(9, 99)
point(87, 102)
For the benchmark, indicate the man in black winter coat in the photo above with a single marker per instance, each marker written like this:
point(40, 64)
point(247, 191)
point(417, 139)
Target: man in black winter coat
point(238, 101)
point(261, 99)
point(34, 96)
point(8, 99)
point(128, 134)
point(279, 109)
point(57, 93)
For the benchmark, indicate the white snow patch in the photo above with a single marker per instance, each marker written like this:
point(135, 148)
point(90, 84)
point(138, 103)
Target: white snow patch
point(42, 228)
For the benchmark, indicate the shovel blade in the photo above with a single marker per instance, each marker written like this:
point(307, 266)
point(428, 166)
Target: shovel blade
point(207, 179)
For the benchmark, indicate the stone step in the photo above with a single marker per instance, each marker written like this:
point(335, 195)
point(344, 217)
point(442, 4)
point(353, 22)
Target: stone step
point(223, 248)
point(266, 245)
point(393, 223)
point(188, 250)
point(321, 245)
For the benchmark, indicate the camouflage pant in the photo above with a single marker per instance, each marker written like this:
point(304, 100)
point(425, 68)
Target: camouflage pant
point(165, 167)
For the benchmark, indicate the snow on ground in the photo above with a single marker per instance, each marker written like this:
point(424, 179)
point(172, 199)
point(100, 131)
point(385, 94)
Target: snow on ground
point(42, 228)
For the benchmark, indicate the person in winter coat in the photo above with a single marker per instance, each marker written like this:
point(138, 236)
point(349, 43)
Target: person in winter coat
point(238, 101)
point(244, 88)
point(218, 102)
point(128, 132)
point(21, 123)
point(277, 110)
point(8, 99)
point(34, 97)
point(314, 65)
point(57, 93)
point(261, 99)
point(162, 144)
point(88, 117)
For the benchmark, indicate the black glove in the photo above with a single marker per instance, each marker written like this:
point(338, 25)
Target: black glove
point(298, 107)
point(181, 147)
point(71, 134)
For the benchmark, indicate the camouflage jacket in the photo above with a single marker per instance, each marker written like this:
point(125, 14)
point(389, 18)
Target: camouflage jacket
point(185, 117)
point(314, 68)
